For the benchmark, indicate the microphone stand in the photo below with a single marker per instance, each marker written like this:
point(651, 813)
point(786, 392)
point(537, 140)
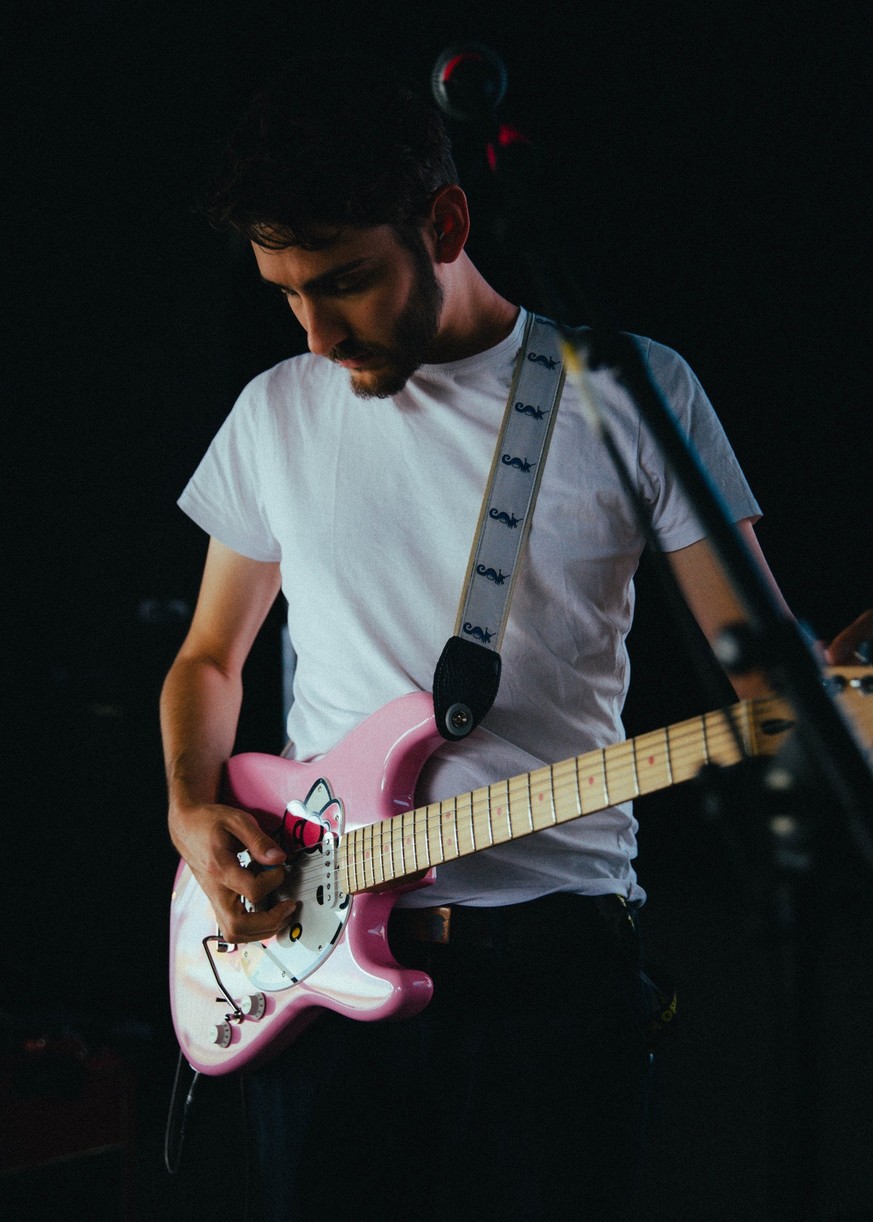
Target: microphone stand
point(822, 754)
point(821, 758)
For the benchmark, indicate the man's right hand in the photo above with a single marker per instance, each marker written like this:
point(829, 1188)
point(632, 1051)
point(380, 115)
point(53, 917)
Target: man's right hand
point(209, 838)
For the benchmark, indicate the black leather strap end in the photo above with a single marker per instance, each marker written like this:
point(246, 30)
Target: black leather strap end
point(465, 685)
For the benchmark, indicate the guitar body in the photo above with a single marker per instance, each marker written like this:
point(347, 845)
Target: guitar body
point(336, 956)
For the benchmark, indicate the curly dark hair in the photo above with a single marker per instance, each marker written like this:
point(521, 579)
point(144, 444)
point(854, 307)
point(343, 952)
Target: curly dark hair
point(329, 144)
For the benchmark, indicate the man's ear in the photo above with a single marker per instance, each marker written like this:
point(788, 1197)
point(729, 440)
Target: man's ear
point(450, 223)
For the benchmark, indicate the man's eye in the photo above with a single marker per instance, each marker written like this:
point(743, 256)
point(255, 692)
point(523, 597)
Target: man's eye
point(357, 284)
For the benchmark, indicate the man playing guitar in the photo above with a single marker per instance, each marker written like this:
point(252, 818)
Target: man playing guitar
point(350, 479)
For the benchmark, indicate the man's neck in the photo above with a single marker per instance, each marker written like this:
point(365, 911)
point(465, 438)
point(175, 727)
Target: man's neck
point(475, 317)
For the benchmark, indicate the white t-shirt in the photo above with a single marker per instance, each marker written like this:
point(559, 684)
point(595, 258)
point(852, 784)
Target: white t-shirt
point(371, 507)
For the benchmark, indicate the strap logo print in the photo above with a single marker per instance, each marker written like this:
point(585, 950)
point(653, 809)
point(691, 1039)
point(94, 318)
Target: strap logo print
point(528, 409)
point(508, 519)
point(481, 634)
point(548, 362)
point(520, 464)
point(496, 575)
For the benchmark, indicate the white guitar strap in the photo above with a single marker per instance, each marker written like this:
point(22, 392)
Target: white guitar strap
point(468, 672)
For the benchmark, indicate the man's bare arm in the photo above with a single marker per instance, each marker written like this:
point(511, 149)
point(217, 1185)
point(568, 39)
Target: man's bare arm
point(200, 705)
point(713, 601)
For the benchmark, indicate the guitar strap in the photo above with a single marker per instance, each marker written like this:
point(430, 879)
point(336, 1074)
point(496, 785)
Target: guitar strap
point(468, 672)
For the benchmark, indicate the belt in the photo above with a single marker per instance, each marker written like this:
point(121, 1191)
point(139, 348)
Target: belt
point(549, 916)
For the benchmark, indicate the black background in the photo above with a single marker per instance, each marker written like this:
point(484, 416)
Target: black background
point(709, 168)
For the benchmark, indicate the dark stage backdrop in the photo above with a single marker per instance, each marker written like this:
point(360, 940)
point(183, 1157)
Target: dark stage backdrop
point(707, 165)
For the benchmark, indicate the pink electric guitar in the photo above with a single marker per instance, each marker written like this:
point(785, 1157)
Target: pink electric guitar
point(350, 817)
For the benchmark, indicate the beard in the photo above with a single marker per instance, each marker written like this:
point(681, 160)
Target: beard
point(413, 337)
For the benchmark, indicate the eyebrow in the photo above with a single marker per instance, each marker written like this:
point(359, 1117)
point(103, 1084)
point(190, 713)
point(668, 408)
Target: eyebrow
point(319, 283)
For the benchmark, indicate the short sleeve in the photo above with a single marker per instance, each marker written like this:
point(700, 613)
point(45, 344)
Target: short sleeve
point(225, 495)
point(674, 518)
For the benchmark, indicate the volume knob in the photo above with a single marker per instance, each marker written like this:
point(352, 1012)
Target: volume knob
point(220, 1034)
point(253, 1006)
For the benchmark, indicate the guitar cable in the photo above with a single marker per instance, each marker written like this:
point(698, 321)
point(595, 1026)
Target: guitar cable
point(177, 1118)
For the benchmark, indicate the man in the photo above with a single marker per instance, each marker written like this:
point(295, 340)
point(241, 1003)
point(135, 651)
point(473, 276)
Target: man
point(352, 479)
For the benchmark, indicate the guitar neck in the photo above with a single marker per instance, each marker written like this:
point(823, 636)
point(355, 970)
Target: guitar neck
point(416, 840)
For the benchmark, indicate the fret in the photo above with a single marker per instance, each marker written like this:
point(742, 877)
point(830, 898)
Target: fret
point(353, 862)
point(714, 738)
point(378, 852)
point(542, 805)
point(448, 830)
point(482, 818)
point(725, 750)
point(579, 807)
point(356, 861)
point(756, 714)
point(386, 851)
point(652, 762)
point(374, 853)
point(498, 802)
point(421, 839)
point(620, 780)
point(591, 781)
point(388, 870)
point(564, 791)
point(435, 832)
point(689, 749)
point(397, 858)
point(400, 841)
point(465, 825)
point(743, 718)
point(519, 797)
point(360, 859)
point(551, 791)
point(634, 768)
point(367, 847)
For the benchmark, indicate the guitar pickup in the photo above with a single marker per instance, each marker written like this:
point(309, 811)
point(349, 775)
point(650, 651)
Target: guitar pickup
point(327, 891)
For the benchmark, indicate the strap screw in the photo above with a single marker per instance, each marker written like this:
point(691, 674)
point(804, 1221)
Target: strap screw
point(459, 720)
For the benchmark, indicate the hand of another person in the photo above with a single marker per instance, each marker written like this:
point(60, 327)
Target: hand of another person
point(848, 647)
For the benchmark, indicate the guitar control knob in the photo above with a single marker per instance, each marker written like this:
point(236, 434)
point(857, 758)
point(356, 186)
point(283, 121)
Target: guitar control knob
point(221, 1035)
point(253, 1006)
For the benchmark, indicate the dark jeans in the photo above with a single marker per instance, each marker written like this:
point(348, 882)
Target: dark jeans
point(518, 1093)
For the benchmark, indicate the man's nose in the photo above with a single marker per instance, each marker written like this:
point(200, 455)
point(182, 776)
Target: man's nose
point(325, 328)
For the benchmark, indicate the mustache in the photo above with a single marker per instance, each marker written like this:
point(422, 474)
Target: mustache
point(351, 350)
